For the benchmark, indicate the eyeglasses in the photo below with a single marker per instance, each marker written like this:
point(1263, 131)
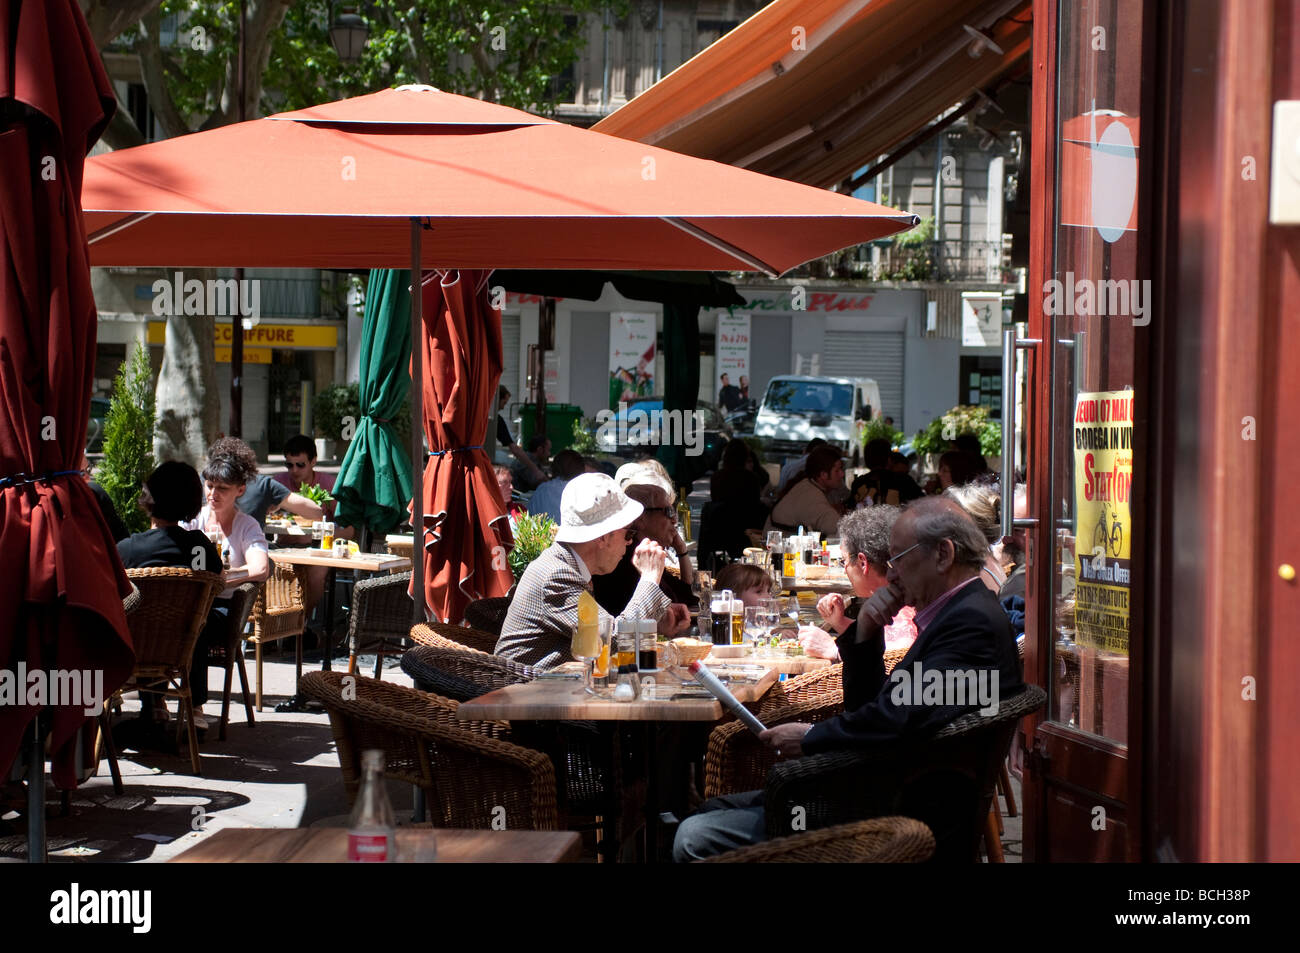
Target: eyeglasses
point(297, 466)
point(668, 511)
point(897, 556)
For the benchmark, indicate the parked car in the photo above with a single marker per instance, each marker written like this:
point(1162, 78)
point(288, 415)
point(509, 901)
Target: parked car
point(637, 430)
point(95, 425)
point(741, 420)
point(796, 408)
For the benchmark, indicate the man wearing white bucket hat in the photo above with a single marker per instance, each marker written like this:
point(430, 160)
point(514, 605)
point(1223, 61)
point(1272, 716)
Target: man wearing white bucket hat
point(594, 533)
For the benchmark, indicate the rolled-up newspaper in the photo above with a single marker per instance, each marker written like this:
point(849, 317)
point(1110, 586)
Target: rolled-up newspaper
point(723, 694)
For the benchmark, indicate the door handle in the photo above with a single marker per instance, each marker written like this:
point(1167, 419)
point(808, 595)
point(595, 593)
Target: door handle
point(1009, 346)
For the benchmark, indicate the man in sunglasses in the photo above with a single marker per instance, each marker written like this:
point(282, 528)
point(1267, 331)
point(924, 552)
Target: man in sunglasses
point(300, 466)
point(594, 533)
point(658, 523)
point(936, 556)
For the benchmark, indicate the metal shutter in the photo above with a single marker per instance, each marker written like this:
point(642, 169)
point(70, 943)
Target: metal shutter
point(510, 355)
point(874, 354)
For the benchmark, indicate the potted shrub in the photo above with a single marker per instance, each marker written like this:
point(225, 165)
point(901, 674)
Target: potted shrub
point(532, 535)
point(937, 438)
point(128, 440)
point(336, 411)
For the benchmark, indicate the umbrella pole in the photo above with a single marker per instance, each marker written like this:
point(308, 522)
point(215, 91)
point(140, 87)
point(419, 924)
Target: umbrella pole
point(36, 793)
point(417, 425)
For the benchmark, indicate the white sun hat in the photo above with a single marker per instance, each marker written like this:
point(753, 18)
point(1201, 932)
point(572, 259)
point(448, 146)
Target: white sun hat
point(591, 506)
point(638, 474)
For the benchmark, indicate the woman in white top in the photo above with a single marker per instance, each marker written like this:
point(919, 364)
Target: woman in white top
point(230, 466)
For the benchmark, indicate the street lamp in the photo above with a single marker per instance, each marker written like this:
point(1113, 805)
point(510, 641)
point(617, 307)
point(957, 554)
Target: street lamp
point(348, 35)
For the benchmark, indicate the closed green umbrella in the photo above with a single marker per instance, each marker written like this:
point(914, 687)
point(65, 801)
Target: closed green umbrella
point(374, 484)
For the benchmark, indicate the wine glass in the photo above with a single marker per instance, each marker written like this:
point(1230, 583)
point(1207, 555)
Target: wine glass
point(586, 648)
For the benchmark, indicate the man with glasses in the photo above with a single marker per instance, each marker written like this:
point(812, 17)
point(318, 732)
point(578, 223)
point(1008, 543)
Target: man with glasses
point(300, 466)
point(594, 533)
point(937, 554)
point(657, 523)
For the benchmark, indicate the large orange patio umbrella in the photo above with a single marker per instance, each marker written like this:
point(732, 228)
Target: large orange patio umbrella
point(414, 177)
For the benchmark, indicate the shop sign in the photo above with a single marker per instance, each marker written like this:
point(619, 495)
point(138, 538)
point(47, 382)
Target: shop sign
point(981, 318)
point(631, 356)
point(1103, 528)
point(317, 337)
point(733, 345)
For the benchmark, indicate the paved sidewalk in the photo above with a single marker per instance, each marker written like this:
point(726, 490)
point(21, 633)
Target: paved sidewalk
point(281, 772)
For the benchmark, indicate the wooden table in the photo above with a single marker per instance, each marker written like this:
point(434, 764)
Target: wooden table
point(283, 528)
point(361, 562)
point(329, 845)
point(564, 699)
point(622, 725)
point(783, 664)
point(837, 582)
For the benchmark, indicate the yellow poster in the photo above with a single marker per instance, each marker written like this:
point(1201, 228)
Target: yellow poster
point(1103, 485)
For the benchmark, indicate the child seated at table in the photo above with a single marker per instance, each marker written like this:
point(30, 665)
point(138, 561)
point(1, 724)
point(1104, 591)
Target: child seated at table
point(750, 584)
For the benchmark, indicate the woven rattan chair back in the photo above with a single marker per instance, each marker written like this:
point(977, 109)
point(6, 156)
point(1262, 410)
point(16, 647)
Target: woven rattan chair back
point(381, 618)
point(231, 651)
point(947, 781)
point(486, 672)
point(881, 840)
point(172, 611)
point(469, 777)
point(443, 636)
point(737, 761)
point(278, 614)
point(822, 687)
point(487, 615)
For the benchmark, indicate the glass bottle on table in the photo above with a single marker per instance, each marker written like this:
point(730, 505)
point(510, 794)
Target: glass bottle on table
point(372, 834)
point(684, 514)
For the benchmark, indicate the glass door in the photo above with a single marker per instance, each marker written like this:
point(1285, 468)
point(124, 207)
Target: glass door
point(1095, 306)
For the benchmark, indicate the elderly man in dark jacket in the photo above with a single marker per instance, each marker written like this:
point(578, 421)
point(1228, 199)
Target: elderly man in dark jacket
point(937, 555)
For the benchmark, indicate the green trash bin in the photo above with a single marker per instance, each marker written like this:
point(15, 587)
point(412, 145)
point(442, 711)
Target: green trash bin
point(559, 424)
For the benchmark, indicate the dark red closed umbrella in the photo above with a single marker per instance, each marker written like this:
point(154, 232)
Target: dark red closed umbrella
point(61, 582)
point(466, 530)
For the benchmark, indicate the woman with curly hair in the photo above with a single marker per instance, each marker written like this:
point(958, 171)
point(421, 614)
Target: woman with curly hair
point(230, 466)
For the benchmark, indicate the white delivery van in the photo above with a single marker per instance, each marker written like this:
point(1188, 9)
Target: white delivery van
point(796, 408)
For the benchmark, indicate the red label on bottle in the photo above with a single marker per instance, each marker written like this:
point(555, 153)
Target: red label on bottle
point(367, 848)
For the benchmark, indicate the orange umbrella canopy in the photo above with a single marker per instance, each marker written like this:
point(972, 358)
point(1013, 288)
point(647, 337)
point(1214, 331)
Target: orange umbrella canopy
point(336, 186)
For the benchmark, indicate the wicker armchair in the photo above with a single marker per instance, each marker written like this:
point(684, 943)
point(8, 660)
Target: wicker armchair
point(165, 626)
point(881, 840)
point(824, 686)
point(443, 636)
point(380, 619)
point(465, 674)
point(278, 614)
point(461, 674)
point(467, 776)
point(946, 781)
point(737, 761)
point(232, 651)
point(487, 615)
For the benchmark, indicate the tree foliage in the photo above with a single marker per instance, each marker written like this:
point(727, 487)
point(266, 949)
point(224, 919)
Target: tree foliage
point(506, 51)
point(128, 440)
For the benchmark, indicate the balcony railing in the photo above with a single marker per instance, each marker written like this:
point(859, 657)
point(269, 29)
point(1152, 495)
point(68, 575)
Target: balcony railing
point(926, 261)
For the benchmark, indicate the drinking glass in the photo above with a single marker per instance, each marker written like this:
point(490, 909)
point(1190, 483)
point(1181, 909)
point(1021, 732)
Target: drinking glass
point(790, 609)
point(767, 619)
point(603, 669)
point(754, 630)
point(774, 542)
point(586, 648)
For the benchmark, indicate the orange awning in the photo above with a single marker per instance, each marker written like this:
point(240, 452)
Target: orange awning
point(811, 90)
point(336, 186)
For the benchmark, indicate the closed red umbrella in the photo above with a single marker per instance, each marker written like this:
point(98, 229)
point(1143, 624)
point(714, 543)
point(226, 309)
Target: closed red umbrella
point(461, 350)
point(60, 599)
